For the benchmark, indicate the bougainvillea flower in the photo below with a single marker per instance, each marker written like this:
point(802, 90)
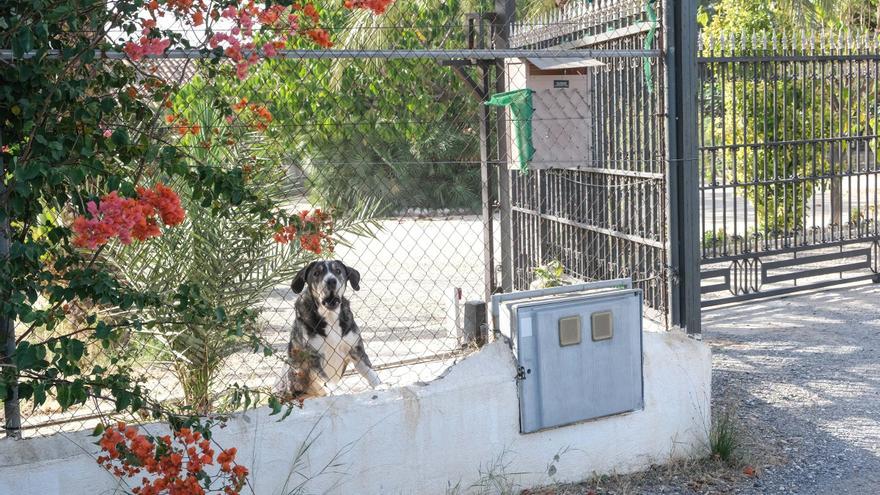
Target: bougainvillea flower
point(127, 219)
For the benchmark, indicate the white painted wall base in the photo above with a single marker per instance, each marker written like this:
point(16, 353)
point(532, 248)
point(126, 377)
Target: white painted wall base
point(422, 439)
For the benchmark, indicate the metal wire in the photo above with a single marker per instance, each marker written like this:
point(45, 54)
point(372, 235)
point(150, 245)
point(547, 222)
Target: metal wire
point(375, 54)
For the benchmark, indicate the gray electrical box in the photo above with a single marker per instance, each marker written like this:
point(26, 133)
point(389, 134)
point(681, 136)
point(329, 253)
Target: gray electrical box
point(579, 353)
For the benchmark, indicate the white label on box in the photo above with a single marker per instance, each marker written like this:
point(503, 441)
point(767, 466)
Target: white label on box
point(525, 328)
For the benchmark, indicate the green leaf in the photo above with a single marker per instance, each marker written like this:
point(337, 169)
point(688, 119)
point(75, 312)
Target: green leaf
point(99, 430)
point(275, 405)
point(120, 137)
point(39, 394)
point(220, 314)
point(22, 42)
point(123, 400)
point(75, 350)
point(102, 331)
point(286, 413)
point(28, 356)
point(107, 105)
point(64, 396)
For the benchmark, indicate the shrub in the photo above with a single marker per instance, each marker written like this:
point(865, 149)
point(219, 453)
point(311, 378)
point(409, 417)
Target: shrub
point(175, 464)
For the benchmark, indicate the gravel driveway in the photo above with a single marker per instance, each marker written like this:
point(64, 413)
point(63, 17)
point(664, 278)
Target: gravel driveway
point(803, 374)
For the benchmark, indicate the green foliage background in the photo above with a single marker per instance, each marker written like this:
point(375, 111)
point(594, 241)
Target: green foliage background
point(401, 132)
point(769, 103)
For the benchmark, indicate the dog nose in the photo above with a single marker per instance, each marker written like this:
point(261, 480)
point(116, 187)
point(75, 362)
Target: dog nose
point(331, 283)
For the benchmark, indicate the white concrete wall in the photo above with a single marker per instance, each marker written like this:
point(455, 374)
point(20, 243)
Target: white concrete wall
point(421, 439)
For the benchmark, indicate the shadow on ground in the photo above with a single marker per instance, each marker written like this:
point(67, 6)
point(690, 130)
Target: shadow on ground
point(803, 374)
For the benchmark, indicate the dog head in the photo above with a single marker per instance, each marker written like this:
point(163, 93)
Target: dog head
point(326, 281)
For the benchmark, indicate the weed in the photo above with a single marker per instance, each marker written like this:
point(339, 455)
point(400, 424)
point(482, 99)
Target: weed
point(724, 439)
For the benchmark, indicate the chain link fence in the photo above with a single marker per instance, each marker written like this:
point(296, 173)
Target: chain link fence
point(382, 138)
point(388, 134)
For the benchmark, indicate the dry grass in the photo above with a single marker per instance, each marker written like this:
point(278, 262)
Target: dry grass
point(704, 476)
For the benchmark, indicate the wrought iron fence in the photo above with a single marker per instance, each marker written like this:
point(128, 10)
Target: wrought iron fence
point(596, 199)
point(788, 142)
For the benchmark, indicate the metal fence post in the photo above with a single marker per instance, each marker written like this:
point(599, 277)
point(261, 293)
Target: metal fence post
point(504, 13)
point(486, 195)
point(11, 409)
point(680, 62)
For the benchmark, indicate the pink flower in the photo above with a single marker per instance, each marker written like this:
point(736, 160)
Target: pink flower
point(133, 50)
point(247, 23)
point(241, 70)
point(156, 47)
point(127, 218)
point(107, 133)
point(146, 46)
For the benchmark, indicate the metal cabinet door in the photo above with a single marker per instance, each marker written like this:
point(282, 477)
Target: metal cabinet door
point(562, 384)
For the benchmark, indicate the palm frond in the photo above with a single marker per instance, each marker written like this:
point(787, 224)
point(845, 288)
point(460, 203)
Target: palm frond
point(231, 257)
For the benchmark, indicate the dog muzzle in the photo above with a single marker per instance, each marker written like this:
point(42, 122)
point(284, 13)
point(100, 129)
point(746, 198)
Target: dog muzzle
point(331, 302)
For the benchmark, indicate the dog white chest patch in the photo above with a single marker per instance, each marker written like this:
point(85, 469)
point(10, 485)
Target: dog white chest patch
point(334, 348)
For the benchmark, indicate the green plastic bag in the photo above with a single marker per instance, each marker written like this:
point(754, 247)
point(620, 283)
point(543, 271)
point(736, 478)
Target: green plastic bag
point(520, 104)
point(649, 42)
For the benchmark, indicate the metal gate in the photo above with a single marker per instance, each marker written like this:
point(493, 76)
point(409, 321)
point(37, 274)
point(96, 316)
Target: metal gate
point(617, 209)
point(788, 163)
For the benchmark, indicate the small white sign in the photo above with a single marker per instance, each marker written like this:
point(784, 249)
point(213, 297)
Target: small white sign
point(525, 328)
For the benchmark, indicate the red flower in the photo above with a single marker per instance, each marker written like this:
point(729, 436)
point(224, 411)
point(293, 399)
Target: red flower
point(376, 6)
point(311, 12)
point(313, 229)
point(320, 37)
point(160, 469)
point(127, 218)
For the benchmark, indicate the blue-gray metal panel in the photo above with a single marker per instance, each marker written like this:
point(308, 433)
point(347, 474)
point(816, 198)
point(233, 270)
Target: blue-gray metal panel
point(498, 299)
point(563, 385)
point(508, 322)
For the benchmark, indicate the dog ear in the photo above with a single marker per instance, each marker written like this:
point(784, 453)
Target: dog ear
point(299, 281)
point(354, 277)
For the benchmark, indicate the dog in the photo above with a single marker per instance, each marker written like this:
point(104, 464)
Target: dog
point(325, 338)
